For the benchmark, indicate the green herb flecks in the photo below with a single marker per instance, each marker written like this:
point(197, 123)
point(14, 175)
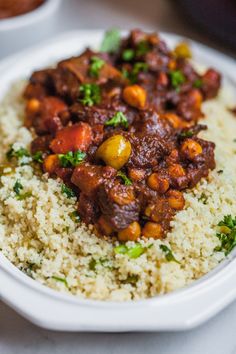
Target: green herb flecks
point(104, 262)
point(67, 191)
point(17, 187)
point(118, 119)
point(24, 196)
point(75, 216)
point(111, 41)
point(220, 172)
point(95, 66)
point(227, 234)
point(177, 79)
point(62, 280)
point(38, 157)
point(71, 158)
point(125, 179)
point(168, 254)
point(128, 54)
point(131, 279)
point(186, 134)
point(143, 47)
point(137, 68)
point(198, 83)
point(203, 198)
point(132, 252)
point(19, 153)
point(91, 94)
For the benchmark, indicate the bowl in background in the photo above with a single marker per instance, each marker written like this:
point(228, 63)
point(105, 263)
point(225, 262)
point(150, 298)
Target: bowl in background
point(27, 29)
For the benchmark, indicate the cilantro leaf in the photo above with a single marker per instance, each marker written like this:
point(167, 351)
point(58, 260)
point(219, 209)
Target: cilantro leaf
point(67, 191)
point(71, 158)
point(137, 68)
point(177, 78)
point(168, 254)
point(95, 66)
point(118, 119)
point(126, 180)
point(227, 236)
point(143, 47)
point(62, 280)
point(38, 157)
point(132, 252)
point(111, 41)
point(75, 216)
point(128, 54)
point(198, 83)
point(91, 94)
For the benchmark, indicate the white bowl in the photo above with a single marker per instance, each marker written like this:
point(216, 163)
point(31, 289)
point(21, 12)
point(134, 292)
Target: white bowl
point(179, 310)
point(27, 29)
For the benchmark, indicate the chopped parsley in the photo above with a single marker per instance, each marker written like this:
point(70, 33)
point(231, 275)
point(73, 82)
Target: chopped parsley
point(125, 179)
point(111, 41)
point(118, 119)
point(21, 152)
point(197, 83)
point(91, 94)
point(203, 198)
point(168, 254)
point(62, 280)
point(95, 66)
point(137, 68)
point(132, 252)
point(143, 48)
point(17, 187)
point(131, 279)
point(71, 158)
point(186, 134)
point(104, 262)
point(177, 79)
point(227, 236)
point(67, 191)
point(38, 157)
point(24, 196)
point(128, 54)
point(75, 216)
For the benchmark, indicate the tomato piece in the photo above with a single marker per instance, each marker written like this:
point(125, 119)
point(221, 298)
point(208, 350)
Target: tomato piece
point(76, 137)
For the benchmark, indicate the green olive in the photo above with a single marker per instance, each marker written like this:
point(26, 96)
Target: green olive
point(115, 151)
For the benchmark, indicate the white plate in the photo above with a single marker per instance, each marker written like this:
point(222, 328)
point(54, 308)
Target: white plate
point(179, 310)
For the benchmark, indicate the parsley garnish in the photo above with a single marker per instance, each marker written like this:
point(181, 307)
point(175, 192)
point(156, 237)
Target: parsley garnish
point(132, 252)
point(67, 191)
point(17, 187)
point(203, 198)
point(143, 48)
point(75, 216)
point(177, 79)
point(227, 236)
point(62, 280)
point(186, 134)
point(91, 94)
point(111, 41)
point(168, 254)
point(71, 158)
point(137, 68)
point(102, 261)
point(131, 279)
point(118, 119)
point(38, 157)
point(197, 83)
point(24, 195)
point(95, 66)
point(128, 54)
point(126, 180)
point(21, 152)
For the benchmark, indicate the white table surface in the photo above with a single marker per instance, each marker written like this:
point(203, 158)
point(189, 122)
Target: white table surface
point(218, 336)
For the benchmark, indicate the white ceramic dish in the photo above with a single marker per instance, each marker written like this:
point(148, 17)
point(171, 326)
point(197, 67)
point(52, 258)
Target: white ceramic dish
point(180, 310)
point(28, 28)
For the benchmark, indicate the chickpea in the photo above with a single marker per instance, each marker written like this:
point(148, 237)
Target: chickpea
point(50, 163)
point(115, 151)
point(104, 226)
point(33, 105)
point(172, 64)
point(176, 170)
point(182, 50)
point(173, 119)
point(135, 96)
point(136, 174)
point(196, 97)
point(130, 233)
point(176, 200)
point(152, 229)
point(158, 183)
point(148, 210)
point(191, 149)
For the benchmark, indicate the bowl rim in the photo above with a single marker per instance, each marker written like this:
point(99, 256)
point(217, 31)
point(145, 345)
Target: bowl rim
point(219, 278)
point(29, 18)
